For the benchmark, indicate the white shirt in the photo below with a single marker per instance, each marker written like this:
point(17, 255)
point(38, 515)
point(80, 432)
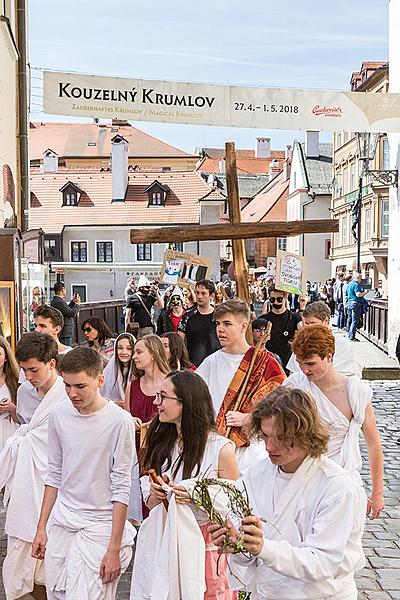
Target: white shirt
point(27, 402)
point(218, 370)
point(90, 458)
point(344, 360)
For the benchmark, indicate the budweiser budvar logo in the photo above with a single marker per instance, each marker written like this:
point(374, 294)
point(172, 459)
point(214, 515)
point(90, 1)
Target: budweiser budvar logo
point(327, 111)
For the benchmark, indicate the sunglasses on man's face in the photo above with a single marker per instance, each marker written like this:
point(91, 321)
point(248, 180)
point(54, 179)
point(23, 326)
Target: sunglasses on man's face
point(276, 300)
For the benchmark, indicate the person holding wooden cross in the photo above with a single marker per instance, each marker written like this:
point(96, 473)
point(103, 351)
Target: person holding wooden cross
point(238, 376)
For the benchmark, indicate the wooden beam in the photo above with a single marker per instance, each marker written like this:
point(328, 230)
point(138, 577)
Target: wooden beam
point(238, 246)
point(224, 231)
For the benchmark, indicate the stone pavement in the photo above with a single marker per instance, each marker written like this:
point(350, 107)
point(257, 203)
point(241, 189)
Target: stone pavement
point(380, 579)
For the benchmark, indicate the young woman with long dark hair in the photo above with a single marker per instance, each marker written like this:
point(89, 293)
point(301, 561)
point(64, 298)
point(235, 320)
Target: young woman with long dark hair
point(99, 337)
point(176, 352)
point(118, 372)
point(182, 443)
point(9, 373)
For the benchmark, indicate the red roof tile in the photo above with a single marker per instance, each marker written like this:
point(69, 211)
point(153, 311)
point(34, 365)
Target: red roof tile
point(95, 206)
point(73, 139)
point(245, 165)
point(258, 208)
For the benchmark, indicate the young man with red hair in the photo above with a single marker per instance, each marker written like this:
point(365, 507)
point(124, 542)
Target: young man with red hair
point(344, 403)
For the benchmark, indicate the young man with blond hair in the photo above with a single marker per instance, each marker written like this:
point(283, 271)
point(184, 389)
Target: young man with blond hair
point(344, 404)
point(304, 540)
point(225, 373)
point(344, 359)
point(82, 533)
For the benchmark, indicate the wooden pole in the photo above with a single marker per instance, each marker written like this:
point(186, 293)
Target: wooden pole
point(223, 231)
point(238, 247)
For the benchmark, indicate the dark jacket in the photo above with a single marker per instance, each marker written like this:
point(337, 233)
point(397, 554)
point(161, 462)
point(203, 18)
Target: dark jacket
point(68, 312)
point(164, 322)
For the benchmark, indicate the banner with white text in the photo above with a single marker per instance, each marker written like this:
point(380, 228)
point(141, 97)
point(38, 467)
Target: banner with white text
point(223, 105)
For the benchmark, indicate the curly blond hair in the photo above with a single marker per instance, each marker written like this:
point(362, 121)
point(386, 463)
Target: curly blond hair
point(296, 419)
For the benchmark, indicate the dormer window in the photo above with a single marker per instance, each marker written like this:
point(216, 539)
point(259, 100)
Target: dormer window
point(157, 193)
point(71, 194)
point(156, 199)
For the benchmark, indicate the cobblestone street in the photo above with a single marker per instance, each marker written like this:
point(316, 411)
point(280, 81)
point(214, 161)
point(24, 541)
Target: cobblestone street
point(380, 579)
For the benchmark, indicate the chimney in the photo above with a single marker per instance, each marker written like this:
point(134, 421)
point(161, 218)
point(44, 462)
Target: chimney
point(273, 169)
point(50, 161)
point(288, 161)
point(119, 168)
point(263, 147)
point(312, 144)
point(221, 166)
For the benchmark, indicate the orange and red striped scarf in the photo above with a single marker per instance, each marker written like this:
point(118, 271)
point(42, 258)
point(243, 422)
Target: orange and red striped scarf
point(265, 376)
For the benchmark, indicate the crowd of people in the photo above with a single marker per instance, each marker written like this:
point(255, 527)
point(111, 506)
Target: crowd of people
point(102, 443)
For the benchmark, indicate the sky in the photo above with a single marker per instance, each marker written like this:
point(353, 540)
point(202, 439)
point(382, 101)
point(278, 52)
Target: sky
point(308, 44)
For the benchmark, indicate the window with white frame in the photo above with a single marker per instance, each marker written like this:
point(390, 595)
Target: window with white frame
point(143, 252)
point(345, 180)
point(281, 243)
point(385, 218)
point(156, 198)
point(367, 220)
point(353, 184)
point(70, 197)
point(104, 252)
point(344, 230)
point(385, 155)
point(78, 251)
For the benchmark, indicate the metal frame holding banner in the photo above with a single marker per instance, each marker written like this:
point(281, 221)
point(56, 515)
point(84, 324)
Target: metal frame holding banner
point(181, 268)
point(77, 94)
point(291, 272)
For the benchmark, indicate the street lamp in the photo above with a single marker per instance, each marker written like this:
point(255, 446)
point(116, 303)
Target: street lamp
point(228, 249)
point(367, 144)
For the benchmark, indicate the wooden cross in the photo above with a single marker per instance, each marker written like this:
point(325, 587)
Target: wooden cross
point(235, 229)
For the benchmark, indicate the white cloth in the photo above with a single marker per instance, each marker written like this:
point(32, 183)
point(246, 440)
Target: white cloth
point(23, 467)
point(7, 426)
point(344, 359)
point(113, 388)
point(312, 535)
point(20, 570)
point(170, 554)
point(27, 402)
point(343, 446)
point(156, 538)
point(218, 370)
point(76, 546)
point(90, 458)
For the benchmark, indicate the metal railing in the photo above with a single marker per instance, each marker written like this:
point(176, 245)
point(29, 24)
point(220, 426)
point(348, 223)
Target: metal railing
point(110, 311)
point(375, 321)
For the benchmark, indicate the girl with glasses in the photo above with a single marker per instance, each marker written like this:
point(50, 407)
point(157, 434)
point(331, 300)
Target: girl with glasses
point(182, 443)
point(99, 337)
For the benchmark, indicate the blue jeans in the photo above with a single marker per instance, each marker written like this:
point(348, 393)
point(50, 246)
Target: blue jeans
point(341, 321)
point(354, 312)
point(67, 341)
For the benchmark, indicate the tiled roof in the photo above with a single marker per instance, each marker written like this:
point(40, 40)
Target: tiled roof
point(319, 170)
point(96, 209)
point(258, 208)
point(245, 166)
point(219, 153)
point(249, 185)
point(90, 140)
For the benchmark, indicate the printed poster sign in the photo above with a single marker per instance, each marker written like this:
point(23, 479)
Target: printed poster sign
point(271, 266)
point(82, 95)
point(291, 272)
point(180, 268)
